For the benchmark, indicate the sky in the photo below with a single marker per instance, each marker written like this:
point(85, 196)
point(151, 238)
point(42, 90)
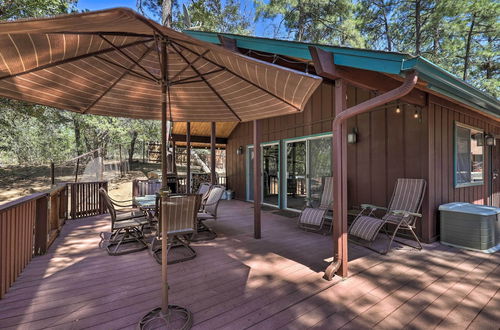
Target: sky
point(259, 28)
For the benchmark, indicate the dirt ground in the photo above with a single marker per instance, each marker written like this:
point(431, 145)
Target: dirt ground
point(20, 181)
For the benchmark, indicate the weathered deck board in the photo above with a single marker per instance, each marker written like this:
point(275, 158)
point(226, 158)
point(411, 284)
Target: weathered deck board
point(237, 282)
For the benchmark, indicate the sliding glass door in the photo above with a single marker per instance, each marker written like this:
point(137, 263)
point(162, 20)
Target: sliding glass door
point(249, 168)
point(296, 170)
point(308, 161)
point(270, 156)
point(270, 174)
point(320, 165)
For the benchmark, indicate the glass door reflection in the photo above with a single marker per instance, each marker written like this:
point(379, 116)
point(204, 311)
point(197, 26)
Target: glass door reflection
point(270, 174)
point(320, 160)
point(250, 173)
point(296, 168)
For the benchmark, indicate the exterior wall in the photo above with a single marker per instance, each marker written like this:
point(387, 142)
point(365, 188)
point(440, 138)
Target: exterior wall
point(442, 117)
point(316, 118)
point(390, 145)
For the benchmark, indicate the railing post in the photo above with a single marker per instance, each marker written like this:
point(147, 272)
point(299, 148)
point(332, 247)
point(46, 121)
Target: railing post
point(102, 208)
point(41, 225)
point(52, 174)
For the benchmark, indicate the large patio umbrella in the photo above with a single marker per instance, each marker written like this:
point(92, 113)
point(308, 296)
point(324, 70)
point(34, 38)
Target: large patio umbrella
point(119, 63)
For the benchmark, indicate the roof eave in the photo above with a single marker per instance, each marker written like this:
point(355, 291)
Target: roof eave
point(438, 79)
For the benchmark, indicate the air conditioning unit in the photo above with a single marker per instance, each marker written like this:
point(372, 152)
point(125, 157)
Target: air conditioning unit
point(470, 226)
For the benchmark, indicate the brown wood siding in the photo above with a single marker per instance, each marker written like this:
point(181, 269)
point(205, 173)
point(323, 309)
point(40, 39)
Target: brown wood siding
point(316, 118)
point(390, 145)
point(444, 114)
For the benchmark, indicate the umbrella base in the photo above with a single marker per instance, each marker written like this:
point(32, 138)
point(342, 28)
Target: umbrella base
point(176, 318)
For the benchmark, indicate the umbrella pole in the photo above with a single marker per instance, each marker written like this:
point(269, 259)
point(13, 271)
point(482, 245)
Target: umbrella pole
point(170, 315)
point(164, 187)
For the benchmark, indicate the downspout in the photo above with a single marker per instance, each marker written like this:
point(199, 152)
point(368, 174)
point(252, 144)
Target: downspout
point(339, 149)
point(397, 93)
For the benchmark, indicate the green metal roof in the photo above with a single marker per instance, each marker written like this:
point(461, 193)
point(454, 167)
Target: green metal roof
point(438, 79)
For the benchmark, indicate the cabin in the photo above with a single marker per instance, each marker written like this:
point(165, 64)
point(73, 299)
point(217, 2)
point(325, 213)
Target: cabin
point(443, 131)
point(373, 117)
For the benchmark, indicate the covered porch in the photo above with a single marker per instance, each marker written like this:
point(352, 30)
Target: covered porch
point(237, 282)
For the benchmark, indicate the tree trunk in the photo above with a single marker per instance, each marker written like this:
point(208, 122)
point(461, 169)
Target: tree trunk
point(166, 13)
point(417, 27)
point(132, 147)
point(468, 46)
point(78, 136)
point(301, 28)
point(387, 31)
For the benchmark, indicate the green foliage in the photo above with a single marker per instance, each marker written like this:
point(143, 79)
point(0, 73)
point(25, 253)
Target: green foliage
point(37, 134)
point(321, 21)
point(229, 16)
point(461, 36)
point(15, 9)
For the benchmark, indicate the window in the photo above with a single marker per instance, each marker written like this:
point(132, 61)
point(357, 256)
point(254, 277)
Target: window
point(469, 156)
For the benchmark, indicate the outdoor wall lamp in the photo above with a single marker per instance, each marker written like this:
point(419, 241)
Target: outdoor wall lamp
point(352, 137)
point(239, 151)
point(490, 140)
point(479, 139)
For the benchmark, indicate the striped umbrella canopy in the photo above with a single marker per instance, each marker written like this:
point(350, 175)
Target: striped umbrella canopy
point(109, 63)
point(118, 63)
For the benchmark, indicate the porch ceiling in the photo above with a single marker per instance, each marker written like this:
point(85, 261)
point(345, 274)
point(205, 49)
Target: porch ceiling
point(223, 129)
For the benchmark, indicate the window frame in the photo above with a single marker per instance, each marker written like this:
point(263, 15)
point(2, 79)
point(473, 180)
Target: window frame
point(466, 184)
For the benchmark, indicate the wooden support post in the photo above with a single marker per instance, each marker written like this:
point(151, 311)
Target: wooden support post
point(257, 182)
point(213, 173)
point(188, 157)
point(339, 163)
point(42, 225)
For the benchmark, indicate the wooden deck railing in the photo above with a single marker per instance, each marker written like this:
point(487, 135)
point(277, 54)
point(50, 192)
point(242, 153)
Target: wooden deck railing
point(18, 235)
point(29, 225)
point(85, 200)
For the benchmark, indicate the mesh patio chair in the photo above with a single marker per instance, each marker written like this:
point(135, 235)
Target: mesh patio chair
point(126, 229)
point(208, 212)
point(181, 219)
point(204, 191)
point(402, 213)
point(313, 218)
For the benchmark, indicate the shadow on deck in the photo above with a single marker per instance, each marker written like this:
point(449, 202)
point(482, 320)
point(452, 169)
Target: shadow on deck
point(237, 282)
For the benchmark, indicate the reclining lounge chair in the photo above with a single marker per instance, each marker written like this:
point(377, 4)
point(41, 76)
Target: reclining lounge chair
point(313, 218)
point(402, 214)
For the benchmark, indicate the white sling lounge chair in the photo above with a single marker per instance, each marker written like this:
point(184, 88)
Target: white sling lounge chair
point(313, 218)
point(402, 214)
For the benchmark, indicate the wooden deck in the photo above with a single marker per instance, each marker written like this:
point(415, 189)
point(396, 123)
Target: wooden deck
point(237, 282)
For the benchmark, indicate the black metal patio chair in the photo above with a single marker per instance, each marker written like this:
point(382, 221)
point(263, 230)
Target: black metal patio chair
point(126, 229)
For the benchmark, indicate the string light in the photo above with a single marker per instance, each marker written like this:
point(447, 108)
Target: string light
point(415, 115)
point(398, 109)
